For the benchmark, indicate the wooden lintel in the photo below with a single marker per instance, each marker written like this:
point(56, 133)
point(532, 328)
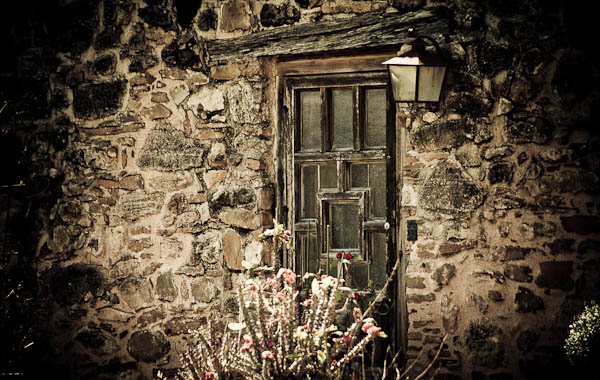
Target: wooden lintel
point(364, 32)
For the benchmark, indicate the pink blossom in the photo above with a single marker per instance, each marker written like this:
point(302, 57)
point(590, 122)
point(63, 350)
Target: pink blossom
point(267, 355)
point(347, 338)
point(209, 375)
point(366, 326)
point(279, 296)
point(324, 276)
point(247, 339)
point(333, 364)
point(290, 276)
point(307, 303)
point(373, 330)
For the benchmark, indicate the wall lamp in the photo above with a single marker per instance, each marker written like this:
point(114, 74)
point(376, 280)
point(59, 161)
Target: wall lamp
point(416, 74)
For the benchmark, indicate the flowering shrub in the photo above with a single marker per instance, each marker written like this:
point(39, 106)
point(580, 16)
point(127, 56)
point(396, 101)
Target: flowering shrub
point(584, 335)
point(288, 327)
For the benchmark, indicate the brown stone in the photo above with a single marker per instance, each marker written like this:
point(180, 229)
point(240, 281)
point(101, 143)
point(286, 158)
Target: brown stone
point(265, 199)
point(165, 287)
point(232, 250)
point(236, 15)
point(240, 217)
point(447, 249)
point(415, 282)
point(204, 289)
point(159, 97)
point(518, 273)
point(556, 275)
point(581, 224)
point(157, 111)
point(106, 183)
point(138, 245)
point(132, 182)
point(253, 164)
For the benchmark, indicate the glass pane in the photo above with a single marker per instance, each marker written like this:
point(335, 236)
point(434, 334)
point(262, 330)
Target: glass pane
point(376, 117)
point(377, 182)
point(430, 82)
point(307, 252)
point(310, 120)
point(328, 176)
point(403, 80)
point(341, 118)
point(309, 191)
point(377, 259)
point(344, 225)
point(360, 175)
point(359, 274)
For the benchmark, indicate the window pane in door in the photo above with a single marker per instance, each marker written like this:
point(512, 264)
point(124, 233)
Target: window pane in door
point(377, 181)
point(308, 196)
point(310, 120)
point(359, 174)
point(328, 176)
point(307, 251)
point(341, 118)
point(377, 259)
point(344, 225)
point(376, 117)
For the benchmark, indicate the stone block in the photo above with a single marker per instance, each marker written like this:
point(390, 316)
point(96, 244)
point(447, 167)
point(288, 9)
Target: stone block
point(240, 217)
point(236, 15)
point(527, 302)
point(96, 100)
point(206, 100)
point(518, 273)
point(556, 275)
point(148, 346)
point(443, 274)
point(165, 287)
point(170, 150)
point(71, 284)
point(484, 341)
point(132, 206)
point(204, 289)
point(156, 111)
point(232, 249)
point(581, 224)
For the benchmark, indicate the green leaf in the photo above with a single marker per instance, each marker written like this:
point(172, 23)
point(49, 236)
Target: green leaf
point(322, 357)
point(293, 356)
point(381, 334)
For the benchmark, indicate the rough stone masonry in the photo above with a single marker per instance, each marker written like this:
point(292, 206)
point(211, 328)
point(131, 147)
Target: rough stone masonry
point(139, 172)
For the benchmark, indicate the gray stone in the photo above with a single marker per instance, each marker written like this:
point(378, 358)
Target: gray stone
point(165, 287)
point(449, 190)
point(521, 132)
point(518, 273)
point(204, 289)
point(555, 275)
point(420, 298)
point(500, 172)
point(445, 135)
point(125, 268)
point(148, 346)
point(113, 315)
point(278, 15)
point(527, 302)
point(170, 150)
point(136, 292)
point(449, 311)
point(236, 15)
point(483, 340)
point(132, 206)
point(96, 100)
point(495, 295)
point(443, 274)
point(71, 284)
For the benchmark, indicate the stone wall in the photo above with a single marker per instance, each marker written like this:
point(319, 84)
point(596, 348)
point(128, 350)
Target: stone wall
point(147, 173)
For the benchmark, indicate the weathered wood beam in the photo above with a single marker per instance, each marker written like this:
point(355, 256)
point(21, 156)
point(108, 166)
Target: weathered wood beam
point(360, 32)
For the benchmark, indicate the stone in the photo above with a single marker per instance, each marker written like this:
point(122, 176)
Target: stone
point(451, 248)
point(527, 302)
point(181, 325)
point(61, 238)
point(443, 274)
point(217, 155)
point(155, 112)
point(96, 341)
point(239, 217)
point(159, 97)
point(165, 287)
point(184, 52)
point(581, 224)
point(125, 268)
point(500, 172)
point(278, 15)
point(71, 284)
point(105, 64)
point(206, 100)
point(138, 245)
point(112, 314)
point(148, 346)
point(179, 93)
point(236, 15)
point(495, 295)
point(522, 132)
point(207, 20)
point(208, 251)
point(589, 246)
point(482, 338)
point(449, 190)
point(436, 136)
point(244, 103)
point(132, 182)
point(420, 298)
point(570, 181)
point(415, 282)
point(96, 100)
point(555, 275)
point(518, 273)
point(527, 340)
point(170, 150)
point(449, 311)
point(561, 246)
point(158, 13)
point(204, 289)
point(174, 181)
point(134, 205)
point(232, 250)
point(136, 292)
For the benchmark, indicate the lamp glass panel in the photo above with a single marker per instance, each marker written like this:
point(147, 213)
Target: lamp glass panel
point(431, 79)
point(404, 79)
